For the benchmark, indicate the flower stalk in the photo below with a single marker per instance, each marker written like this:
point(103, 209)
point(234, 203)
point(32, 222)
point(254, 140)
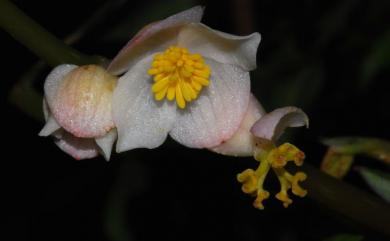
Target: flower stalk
point(45, 45)
point(347, 200)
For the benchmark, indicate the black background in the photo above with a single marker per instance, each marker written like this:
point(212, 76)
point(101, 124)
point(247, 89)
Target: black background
point(175, 193)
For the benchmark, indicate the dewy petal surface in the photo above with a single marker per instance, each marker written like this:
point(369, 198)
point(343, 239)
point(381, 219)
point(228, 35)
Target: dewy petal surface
point(222, 47)
point(219, 110)
point(272, 125)
point(81, 101)
point(242, 142)
point(53, 81)
point(78, 148)
point(153, 38)
point(141, 121)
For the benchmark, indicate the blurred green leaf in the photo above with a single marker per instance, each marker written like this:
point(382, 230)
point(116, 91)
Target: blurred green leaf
point(345, 237)
point(377, 180)
point(377, 59)
point(373, 147)
point(336, 164)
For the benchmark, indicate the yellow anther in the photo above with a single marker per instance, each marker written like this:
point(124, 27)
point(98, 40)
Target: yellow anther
point(179, 63)
point(200, 80)
point(161, 94)
point(153, 71)
point(196, 85)
point(178, 75)
point(179, 97)
point(278, 157)
point(275, 158)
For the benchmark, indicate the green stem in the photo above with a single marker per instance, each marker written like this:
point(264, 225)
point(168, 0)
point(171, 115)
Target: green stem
point(348, 200)
point(38, 40)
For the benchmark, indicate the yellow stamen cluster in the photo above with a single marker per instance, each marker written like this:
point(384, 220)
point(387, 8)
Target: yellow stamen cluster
point(275, 158)
point(178, 74)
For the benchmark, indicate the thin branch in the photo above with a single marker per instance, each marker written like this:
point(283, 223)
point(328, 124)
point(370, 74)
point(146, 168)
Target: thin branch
point(37, 39)
point(348, 200)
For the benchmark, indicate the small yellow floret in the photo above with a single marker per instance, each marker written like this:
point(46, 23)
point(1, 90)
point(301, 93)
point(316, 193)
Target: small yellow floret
point(279, 156)
point(275, 158)
point(179, 75)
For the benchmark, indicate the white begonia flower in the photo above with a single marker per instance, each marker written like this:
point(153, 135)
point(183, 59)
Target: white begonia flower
point(77, 108)
point(183, 79)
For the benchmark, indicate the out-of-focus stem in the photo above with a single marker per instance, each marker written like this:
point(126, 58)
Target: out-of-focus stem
point(38, 40)
point(347, 200)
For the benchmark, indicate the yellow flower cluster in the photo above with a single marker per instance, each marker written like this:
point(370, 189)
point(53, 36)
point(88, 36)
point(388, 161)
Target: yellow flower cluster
point(275, 158)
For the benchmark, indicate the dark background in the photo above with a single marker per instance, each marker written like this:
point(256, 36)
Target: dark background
point(330, 58)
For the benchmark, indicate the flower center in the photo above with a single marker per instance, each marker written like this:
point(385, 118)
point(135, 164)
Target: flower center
point(178, 74)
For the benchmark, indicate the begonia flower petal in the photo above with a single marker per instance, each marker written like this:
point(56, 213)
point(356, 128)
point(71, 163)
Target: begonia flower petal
point(106, 142)
point(80, 100)
point(78, 148)
point(154, 37)
point(242, 142)
point(141, 121)
point(53, 81)
point(51, 124)
point(222, 47)
point(50, 127)
point(217, 113)
point(273, 124)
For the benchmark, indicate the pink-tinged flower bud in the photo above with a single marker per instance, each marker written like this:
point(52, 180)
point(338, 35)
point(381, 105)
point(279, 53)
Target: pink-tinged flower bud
point(78, 106)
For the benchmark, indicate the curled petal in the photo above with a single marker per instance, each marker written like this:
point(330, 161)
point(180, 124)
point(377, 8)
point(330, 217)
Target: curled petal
point(106, 142)
point(80, 100)
point(242, 142)
point(141, 121)
point(46, 110)
point(153, 38)
point(78, 148)
point(50, 127)
point(51, 124)
point(272, 125)
point(217, 113)
point(222, 47)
